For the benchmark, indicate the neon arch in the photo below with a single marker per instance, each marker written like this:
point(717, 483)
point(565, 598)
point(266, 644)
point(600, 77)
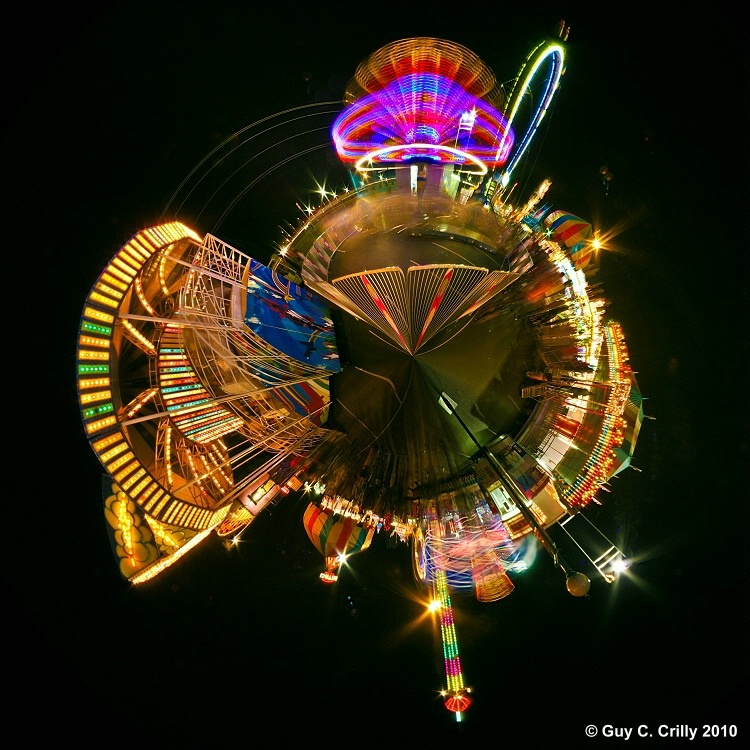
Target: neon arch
point(533, 62)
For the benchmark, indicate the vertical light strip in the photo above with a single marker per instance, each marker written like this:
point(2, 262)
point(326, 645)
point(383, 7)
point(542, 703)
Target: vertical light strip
point(453, 674)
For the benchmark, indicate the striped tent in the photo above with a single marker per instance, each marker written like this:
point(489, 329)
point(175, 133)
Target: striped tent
point(633, 416)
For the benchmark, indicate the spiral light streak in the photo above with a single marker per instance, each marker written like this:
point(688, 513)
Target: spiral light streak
point(430, 113)
point(464, 556)
point(422, 93)
point(426, 55)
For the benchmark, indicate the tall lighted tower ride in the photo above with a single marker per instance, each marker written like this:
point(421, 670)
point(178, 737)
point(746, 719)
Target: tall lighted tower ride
point(422, 352)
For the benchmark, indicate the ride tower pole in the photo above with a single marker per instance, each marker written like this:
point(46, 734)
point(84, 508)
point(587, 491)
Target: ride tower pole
point(456, 693)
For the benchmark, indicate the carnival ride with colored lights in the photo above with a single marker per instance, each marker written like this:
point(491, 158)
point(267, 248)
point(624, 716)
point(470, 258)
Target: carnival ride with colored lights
point(365, 361)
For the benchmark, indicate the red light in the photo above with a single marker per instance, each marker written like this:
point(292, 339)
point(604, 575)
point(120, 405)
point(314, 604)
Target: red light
point(458, 702)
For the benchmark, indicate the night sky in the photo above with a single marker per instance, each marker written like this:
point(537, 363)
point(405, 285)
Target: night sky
point(101, 126)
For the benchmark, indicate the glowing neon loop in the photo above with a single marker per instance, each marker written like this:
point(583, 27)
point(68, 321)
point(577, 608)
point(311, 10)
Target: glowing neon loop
point(423, 108)
point(556, 51)
point(417, 149)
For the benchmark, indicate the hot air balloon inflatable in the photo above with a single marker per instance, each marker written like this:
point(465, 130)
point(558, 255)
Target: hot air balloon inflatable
point(573, 233)
point(335, 536)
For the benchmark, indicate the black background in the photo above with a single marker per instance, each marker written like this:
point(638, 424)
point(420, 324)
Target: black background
point(105, 114)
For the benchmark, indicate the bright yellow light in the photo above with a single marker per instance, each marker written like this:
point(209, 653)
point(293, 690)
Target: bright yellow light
point(434, 605)
point(620, 566)
point(609, 240)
